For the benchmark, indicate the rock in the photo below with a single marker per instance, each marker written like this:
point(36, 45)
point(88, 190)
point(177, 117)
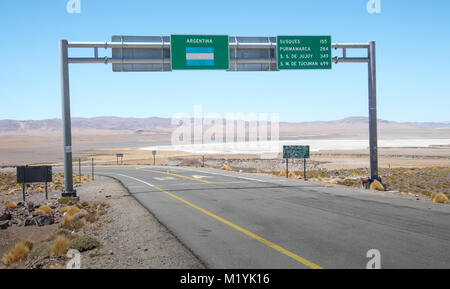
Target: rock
point(5, 215)
point(4, 225)
point(30, 222)
point(45, 220)
point(30, 206)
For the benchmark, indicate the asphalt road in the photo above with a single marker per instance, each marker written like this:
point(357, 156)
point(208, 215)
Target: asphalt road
point(236, 220)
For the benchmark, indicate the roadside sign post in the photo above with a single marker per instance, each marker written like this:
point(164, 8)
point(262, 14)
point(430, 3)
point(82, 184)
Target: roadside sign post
point(66, 121)
point(79, 170)
point(373, 120)
point(154, 157)
point(41, 174)
point(121, 158)
point(304, 169)
point(164, 54)
point(296, 152)
point(287, 168)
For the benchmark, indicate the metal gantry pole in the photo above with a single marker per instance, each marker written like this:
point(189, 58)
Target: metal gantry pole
point(373, 125)
point(66, 121)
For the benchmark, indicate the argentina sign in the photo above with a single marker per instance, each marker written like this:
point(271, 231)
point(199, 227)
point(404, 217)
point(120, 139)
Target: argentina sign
point(200, 52)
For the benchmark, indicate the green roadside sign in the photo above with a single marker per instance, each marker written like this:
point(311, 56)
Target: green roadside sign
point(304, 52)
point(296, 152)
point(200, 52)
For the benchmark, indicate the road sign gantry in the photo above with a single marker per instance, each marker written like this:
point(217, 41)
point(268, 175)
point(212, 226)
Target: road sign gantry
point(154, 53)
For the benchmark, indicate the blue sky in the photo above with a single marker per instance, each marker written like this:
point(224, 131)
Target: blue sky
point(412, 57)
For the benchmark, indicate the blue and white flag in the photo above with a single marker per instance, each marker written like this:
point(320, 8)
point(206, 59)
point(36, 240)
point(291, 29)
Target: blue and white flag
point(199, 56)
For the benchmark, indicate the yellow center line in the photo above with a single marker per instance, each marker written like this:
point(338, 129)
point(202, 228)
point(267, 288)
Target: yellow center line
point(246, 232)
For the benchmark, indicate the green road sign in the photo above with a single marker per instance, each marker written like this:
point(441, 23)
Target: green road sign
point(304, 52)
point(200, 52)
point(296, 152)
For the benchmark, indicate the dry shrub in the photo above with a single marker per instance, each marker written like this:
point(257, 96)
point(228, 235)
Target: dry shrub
point(71, 210)
point(227, 168)
point(60, 246)
point(426, 193)
point(67, 219)
point(91, 217)
point(41, 249)
point(84, 243)
point(56, 267)
point(349, 182)
point(292, 175)
point(440, 199)
point(64, 200)
point(69, 224)
point(44, 210)
point(84, 204)
point(19, 252)
point(64, 232)
point(376, 186)
point(11, 205)
point(78, 216)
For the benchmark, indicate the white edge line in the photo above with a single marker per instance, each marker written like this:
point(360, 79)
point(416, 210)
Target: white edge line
point(223, 175)
point(148, 184)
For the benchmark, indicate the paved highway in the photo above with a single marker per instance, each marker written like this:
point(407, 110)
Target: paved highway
point(236, 220)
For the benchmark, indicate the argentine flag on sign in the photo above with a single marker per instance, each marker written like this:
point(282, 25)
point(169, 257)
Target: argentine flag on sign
point(199, 56)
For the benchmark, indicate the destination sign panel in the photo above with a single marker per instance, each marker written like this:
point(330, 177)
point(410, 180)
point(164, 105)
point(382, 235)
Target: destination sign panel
point(304, 52)
point(296, 152)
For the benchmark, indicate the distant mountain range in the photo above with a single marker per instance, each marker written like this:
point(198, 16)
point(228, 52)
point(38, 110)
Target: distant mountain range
point(354, 126)
point(119, 123)
point(101, 123)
